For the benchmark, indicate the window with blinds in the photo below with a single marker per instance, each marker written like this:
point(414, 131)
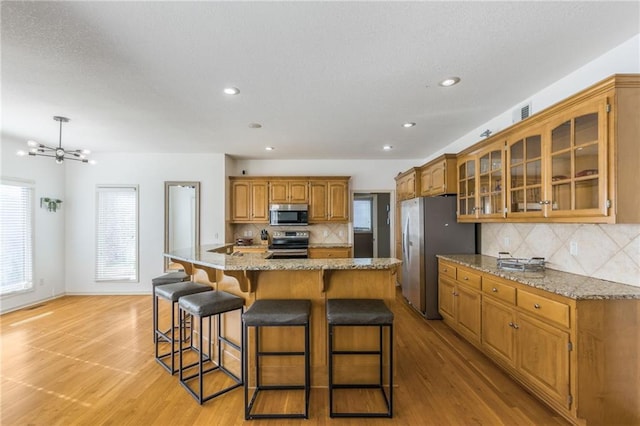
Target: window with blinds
point(16, 236)
point(117, 233)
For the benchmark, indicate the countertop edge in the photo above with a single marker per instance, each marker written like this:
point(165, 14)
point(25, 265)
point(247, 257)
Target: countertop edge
point(573, 286)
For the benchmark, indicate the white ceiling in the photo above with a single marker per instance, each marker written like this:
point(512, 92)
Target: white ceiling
point(325, 79)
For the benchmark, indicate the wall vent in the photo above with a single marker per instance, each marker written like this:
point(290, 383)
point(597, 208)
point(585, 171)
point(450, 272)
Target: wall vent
point(522, 112)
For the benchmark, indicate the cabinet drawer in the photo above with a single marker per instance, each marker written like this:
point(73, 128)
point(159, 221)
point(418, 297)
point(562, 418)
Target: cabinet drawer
point(545, 308)
point(501, 291)
point(470, 278)
point(447, 269)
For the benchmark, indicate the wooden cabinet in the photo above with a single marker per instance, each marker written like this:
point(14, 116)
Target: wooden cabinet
point(329, 200)
point(408, 184)
point(289, 191)
point(250, 249)
point(577, 161)
point(572, 162)
point(438, 177)
point(249, 202)
point(467, 189)
point(525, 174)
point(328, 197)
point(581, 357)
point(329, 252)
point(460, 302)
point(481, 183)
point(536, 348)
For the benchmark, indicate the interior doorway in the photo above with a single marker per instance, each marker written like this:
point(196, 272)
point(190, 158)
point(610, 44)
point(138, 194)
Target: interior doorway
point(371, 224)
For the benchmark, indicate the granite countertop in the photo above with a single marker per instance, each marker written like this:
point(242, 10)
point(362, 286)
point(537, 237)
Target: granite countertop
point(215, 256)
point(573, 286)
point(329, 245)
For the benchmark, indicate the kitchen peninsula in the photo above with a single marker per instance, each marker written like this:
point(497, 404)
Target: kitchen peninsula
point(255, 276)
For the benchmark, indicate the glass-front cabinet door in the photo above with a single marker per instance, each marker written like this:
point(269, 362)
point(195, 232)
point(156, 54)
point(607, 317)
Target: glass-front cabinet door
point(525, 191)
point(490, 176)
point(578, 163)
point(467, 188)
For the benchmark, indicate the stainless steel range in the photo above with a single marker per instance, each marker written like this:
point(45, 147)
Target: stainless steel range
point(289, 244)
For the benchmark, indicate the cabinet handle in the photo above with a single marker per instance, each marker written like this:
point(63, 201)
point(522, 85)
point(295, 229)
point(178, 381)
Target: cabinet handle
point(541, 202)
point(516, 326)
point(445, 270)
point(454, 293)
point(510, 324)
point(495, 290)
point(466, 278)
point(536, 306)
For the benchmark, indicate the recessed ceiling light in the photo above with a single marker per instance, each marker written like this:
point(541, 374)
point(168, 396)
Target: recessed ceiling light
point(387, 147)
point(231, 90)
point(21, 153)
point(269, 148)
point(255, 125)
point(448, 82)
point(408, 124)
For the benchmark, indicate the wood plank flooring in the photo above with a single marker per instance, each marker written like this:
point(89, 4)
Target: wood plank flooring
point(87, 360)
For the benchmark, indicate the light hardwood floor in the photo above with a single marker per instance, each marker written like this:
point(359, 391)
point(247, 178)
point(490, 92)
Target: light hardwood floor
point(87, 360)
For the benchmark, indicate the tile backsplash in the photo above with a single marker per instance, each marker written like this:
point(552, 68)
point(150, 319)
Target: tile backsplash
point(330, 233)
point(609, 252)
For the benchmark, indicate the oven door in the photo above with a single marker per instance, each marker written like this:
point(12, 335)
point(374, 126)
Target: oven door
point(289, 254)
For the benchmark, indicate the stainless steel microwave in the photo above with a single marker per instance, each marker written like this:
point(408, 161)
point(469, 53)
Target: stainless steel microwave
point(288, 214)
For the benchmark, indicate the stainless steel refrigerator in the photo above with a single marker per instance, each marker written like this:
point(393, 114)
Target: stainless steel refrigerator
point(429, 227)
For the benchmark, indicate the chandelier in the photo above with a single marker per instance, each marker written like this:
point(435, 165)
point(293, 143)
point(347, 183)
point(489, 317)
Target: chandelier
point(59, 153)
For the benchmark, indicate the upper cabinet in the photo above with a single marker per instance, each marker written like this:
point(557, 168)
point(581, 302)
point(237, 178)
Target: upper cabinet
point(525, 173)
point(438, 177)
point(408, 184)
point(481, 182)
point(329, 200)
point(249, 201)
point(327, 197)
point(575, 161)
point(289, 191)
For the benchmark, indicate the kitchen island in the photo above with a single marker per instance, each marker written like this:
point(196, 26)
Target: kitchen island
point(255, 276)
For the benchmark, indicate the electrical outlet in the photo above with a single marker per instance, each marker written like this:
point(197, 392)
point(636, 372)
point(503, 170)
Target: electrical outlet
point(506, 241)
point(573, 248)
point(341, 233)
point(250, 233)
point(325, 233)
point(215, 236)
point(41, 281)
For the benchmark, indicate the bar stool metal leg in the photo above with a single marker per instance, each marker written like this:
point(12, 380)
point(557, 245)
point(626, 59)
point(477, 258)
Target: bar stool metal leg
point(361, 313)
point(207, 306)
point(275, 313)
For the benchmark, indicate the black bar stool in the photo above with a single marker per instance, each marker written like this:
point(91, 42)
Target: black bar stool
point(205, 306)
point(170, 278)
point(275, 313)
point(361, 313)
point(171, 293)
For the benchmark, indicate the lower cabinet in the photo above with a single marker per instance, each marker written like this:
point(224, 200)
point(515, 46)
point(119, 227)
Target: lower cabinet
point(460, 307)
point(581, 357)
point(329, 252)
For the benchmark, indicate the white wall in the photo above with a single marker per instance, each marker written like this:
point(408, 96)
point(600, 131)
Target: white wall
point(49, 232)
point(366, 175)
point(149, 172)
point(621, 60)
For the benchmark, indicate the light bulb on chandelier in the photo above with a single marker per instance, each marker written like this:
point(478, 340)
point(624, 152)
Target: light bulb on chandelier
point(59, 153)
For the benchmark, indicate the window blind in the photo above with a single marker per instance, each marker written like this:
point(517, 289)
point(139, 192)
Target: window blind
point(16, 236)
point(117, 233)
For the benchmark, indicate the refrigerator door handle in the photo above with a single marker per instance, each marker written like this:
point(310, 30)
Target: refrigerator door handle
point(406, 242)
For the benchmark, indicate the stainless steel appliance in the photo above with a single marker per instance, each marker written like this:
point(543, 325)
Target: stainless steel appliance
point(429, 227)
point(289, 245)
point(288, 214)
